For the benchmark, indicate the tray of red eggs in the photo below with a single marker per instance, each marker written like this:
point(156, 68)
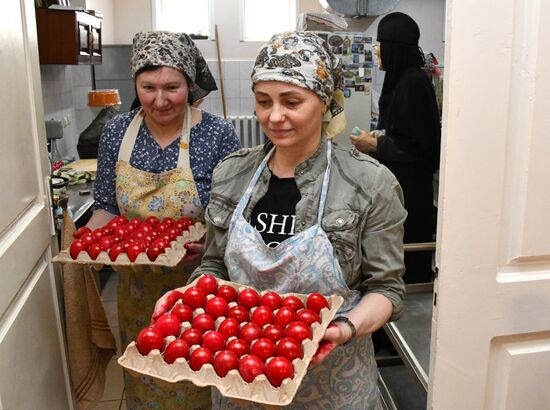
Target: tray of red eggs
point(249, 344)
point(151, 241)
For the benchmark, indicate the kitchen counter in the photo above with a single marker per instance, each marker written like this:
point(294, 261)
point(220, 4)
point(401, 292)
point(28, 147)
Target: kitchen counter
point(80, 201)
point(80, 196)
point(411, 334)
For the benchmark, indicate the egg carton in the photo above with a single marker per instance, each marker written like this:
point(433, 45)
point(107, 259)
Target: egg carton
point(170, 258)
point(232, 385)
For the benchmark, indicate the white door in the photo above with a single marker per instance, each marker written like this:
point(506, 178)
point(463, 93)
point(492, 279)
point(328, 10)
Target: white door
point(491, 322)
point(33, 372)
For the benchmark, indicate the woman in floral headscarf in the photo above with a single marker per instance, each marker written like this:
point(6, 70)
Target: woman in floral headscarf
point(157, 160)
point(301, 214)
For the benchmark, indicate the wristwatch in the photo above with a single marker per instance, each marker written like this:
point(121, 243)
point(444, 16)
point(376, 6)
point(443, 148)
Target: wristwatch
point(346, 320)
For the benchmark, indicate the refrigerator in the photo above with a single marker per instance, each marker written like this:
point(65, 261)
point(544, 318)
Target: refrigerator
point(355, 51)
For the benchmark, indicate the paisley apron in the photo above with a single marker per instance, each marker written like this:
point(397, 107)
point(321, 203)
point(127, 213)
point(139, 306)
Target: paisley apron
point(168, 194)
point(304, 263)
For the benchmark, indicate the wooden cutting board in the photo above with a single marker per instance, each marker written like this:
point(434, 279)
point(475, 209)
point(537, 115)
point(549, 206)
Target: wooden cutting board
point(86, 165)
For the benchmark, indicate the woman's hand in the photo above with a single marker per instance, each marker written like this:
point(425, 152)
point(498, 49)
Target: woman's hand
point(364, 142)
point(165, 303)
point(99, 218)
point(194, 251)
point(370, 314)
point(336, 335)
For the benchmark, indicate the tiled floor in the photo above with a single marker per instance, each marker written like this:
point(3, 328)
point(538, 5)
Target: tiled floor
point(113, 396)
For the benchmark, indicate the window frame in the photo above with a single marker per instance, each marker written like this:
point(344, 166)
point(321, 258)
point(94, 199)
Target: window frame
point(241, 21)
point(155, 12)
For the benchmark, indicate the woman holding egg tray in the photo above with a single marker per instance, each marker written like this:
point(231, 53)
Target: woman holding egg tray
point(302, 214)
point(157, 161)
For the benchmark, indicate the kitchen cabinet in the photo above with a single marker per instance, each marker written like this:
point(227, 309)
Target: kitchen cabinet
point(68, 36)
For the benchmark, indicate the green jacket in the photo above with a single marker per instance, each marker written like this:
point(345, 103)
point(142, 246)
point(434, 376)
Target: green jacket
point(363, 217)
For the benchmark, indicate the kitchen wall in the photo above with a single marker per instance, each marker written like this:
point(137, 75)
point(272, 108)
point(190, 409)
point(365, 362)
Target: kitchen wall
point(239, 99)
point(429, 15)
point(131, 16)
point(65, 87)
point(81, 84)
point(58, 99)
point(106, 7)
point(237, 57)
point(65, 98)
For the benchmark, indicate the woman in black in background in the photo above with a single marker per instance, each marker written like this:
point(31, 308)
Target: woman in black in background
point(408, 135)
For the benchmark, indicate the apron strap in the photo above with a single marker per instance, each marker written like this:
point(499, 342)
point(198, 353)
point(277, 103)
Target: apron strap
point(324, 188)
point(130, 136)
point(183, 155)
point(239, 210)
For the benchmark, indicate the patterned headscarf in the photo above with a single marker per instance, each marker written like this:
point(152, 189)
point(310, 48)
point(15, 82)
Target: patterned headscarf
point(176, 50)
point(304, 59)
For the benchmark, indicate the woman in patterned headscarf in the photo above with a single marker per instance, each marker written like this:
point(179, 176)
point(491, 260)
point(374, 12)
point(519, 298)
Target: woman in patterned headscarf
point(157, 160)
point(301, 214)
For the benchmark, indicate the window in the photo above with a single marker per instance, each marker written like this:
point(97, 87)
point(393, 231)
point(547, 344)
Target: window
point(188, 16)
point(263, 18)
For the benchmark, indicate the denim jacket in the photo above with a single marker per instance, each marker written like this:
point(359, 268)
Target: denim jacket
point(363, 217)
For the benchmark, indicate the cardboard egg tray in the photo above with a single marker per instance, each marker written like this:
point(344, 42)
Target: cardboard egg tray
point(232, 385)
point(170, 258)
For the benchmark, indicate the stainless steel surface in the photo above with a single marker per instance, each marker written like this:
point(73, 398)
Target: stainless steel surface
point(387, 400)
point(421, 246)
point(400, 386)
point(411, 334)
point(78, 204)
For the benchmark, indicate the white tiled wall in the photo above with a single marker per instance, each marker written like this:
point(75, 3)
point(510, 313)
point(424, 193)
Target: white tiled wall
point(65, 95)
point(57, 95)
point(237, 92)
point(82, 83)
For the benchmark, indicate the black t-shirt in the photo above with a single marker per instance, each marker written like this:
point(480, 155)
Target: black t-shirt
point(274, 215)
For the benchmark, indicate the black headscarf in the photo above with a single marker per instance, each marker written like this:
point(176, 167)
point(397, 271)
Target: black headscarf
point(398, 35)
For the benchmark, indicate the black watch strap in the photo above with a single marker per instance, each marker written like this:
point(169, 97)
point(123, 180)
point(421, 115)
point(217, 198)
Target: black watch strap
point(346, 320)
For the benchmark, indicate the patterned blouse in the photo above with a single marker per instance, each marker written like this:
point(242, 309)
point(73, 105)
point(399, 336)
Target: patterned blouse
point(210, 141)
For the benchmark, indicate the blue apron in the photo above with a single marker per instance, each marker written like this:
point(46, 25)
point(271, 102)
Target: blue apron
point(304, 263)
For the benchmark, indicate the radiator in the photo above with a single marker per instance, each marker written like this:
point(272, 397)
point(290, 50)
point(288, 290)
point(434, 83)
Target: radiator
point(248, 129)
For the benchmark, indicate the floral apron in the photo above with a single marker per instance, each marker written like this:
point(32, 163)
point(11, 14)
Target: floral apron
point(140, 194)
point(304, 263)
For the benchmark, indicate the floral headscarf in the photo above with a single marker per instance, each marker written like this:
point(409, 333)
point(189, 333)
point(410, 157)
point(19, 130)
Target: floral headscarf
point(176, 50)
point(304, 59)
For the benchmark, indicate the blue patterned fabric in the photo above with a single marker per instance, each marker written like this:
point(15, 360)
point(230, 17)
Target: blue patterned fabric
point(211, 140)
